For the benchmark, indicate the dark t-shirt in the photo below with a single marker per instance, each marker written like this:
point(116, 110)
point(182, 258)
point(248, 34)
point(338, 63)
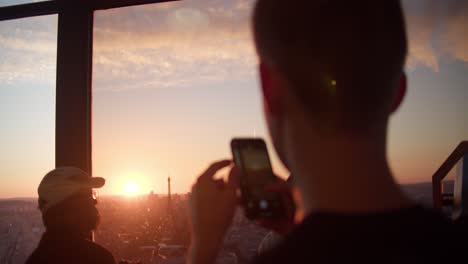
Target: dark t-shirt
point(63, 248)
point(413, 235)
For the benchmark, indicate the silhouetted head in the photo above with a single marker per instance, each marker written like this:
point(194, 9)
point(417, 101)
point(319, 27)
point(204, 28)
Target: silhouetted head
point(67, 203)
point(75, 215)
point(337, 64)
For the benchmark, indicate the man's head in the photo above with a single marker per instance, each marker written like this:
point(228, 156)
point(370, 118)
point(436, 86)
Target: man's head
point(66, 200)
point(340, 61)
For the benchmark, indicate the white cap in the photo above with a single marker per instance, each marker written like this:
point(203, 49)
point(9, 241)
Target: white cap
point(62, 182)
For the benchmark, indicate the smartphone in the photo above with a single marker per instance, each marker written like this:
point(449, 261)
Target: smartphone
point(251, 157)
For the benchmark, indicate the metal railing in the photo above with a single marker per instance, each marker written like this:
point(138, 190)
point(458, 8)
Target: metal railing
point(458, 157)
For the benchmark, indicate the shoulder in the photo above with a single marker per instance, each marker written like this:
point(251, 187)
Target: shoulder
point(296, 247)
point(400, 235)
point(93, 252)
point(100, 253)
point(69, 250)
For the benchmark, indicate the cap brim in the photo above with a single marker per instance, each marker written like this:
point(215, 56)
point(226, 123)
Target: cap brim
point(96, 182)
point(91, 182)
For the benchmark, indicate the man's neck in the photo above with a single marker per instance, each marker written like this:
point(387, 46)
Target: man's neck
point(346, 176)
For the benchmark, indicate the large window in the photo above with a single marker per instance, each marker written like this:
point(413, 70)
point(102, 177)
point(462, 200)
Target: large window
point(173, 91)
point(432, 120)
point(27, 114)
point(174, 82)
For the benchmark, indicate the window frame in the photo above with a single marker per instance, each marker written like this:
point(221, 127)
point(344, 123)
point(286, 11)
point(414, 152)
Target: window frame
point(73, 142)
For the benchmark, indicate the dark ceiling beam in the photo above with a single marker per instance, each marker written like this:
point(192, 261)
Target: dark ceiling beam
point(107, 4)
point(53, 7)
point(28, 10)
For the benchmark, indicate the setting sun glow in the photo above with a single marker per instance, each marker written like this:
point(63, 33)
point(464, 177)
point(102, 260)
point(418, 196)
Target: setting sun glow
point(131, 189)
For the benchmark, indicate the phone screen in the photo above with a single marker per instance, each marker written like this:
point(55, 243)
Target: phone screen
point(257, 169)
point(257, 173)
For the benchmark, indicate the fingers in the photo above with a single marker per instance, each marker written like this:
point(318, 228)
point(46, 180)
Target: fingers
point(286, 194)
point(219, 183)
point(232, 184)
point(213, 168)
point(233, 178)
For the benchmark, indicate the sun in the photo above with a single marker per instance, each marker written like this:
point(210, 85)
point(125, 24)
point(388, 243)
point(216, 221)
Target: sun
point(131, 189)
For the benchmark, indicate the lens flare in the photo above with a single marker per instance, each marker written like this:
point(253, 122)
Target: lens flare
point(131, 189)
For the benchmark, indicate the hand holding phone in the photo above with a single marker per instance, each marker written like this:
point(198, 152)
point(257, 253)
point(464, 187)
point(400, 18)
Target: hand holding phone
point(256, 174)
point(284, 224)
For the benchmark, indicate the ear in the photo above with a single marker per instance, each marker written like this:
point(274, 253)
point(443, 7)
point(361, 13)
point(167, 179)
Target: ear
point(270, 89)
point(401, 92)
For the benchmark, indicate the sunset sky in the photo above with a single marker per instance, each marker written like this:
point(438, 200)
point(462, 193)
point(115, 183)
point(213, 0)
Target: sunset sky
point(174, 82)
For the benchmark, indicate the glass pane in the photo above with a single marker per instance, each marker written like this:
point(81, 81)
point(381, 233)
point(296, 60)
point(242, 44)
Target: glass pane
point(432, 120)
point(174, 82)
point(18, 2)
point(27, 137)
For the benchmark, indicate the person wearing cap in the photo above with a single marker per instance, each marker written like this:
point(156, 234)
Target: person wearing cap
point(69, 214)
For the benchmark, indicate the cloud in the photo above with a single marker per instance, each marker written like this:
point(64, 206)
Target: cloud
point(199, 42)
point(187, 19)
point(437, 30)
point(28, 50)
point(210, 41)
point(25, 45)
point(456, 38)
point(188, 44)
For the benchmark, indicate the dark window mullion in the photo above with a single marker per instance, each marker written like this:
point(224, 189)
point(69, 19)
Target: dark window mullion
point(73, 95)
point(107, 4)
